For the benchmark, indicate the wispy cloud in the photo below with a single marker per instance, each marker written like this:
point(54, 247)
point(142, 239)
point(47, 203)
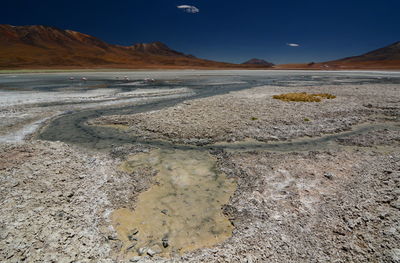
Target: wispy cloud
point(293, 45)
point(189, 8)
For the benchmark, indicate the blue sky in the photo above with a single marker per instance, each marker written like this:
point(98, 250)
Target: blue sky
point(232, 31)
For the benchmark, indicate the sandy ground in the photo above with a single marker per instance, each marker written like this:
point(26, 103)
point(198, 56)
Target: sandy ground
point(296, 207)
point(311, 207)
point(255, 114)
point(337, 205)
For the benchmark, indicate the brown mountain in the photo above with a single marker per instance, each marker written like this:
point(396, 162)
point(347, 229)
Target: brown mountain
point(258, 62)
point(384, 58)
point(388, 53)
point(49, 47)
point(157, 48)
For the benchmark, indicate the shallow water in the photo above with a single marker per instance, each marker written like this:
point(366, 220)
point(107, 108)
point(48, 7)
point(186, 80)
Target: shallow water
point(182, 210)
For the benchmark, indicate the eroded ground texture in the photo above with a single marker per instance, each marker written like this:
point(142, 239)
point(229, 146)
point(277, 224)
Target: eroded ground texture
point(339, 203)
point(255, 114)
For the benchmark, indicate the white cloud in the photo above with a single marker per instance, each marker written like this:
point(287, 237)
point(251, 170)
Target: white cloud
point(293, 45)
point(189, 8)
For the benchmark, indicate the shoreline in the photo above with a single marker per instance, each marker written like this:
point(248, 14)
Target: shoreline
point(111, 70)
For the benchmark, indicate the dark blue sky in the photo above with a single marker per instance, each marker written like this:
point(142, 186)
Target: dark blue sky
point(224, 30)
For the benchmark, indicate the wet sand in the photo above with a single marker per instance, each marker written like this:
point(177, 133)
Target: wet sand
point(182, 211)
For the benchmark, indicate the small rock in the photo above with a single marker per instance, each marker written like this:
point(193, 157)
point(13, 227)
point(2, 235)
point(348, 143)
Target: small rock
point(395, 203)
point(135, 259)
point(164, 211)
point(134, 231)
point(329, 176)
point(70, 194)
point(165, 244)
point(150, 252)
point(165, 241)
point(132, 234)
point(133, 245)
point(154, 250)
point(142, 250)
point(112, 236)
point(132, 238)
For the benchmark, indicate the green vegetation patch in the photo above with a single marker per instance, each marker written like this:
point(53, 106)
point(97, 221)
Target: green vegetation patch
point(304, 97)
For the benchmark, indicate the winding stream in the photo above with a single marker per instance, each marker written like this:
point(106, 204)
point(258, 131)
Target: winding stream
point(71, 127)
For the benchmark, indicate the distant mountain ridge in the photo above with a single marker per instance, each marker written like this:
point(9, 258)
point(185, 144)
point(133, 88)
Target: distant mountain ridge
point(256, 61)
point(40, 46)
point(390, 52)
point(46, 47)
point(383, 58)
point(157, 48)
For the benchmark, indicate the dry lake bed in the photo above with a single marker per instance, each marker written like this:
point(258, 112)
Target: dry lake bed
point(200, 166)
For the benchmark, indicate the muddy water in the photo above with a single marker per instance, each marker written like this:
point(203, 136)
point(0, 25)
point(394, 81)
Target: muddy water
point(181, 211)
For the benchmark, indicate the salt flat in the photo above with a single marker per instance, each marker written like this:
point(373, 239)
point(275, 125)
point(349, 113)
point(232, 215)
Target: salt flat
point(334, 200)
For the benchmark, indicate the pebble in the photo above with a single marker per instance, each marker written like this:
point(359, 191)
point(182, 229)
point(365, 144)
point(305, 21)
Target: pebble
point(132, 234)
point(164, 211)
point(132, 238)
point(142, 250)
point(150, 252)
point(165, 242)
point(112, 237)
point(135, 259)
point(154, 250)
point(133, 245)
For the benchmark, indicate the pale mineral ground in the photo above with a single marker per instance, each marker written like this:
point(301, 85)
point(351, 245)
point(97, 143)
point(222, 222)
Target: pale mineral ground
point(199, 166)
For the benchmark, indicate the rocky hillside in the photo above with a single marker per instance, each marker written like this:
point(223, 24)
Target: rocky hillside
point(391, 52)
point(258, 62)
point(383, 58)
point(50, 47)
point(157, 48)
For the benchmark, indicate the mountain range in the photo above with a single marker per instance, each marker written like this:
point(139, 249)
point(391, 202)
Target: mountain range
point(46, 47)
point(37, 47)
point(383, 58)
point(256, 61)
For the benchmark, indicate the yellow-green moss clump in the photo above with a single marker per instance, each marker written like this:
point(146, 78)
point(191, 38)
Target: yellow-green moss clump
point(304, 97)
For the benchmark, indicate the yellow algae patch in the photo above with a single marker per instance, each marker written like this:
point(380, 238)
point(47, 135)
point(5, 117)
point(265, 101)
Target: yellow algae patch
point(304, 97)
point(181, 211)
